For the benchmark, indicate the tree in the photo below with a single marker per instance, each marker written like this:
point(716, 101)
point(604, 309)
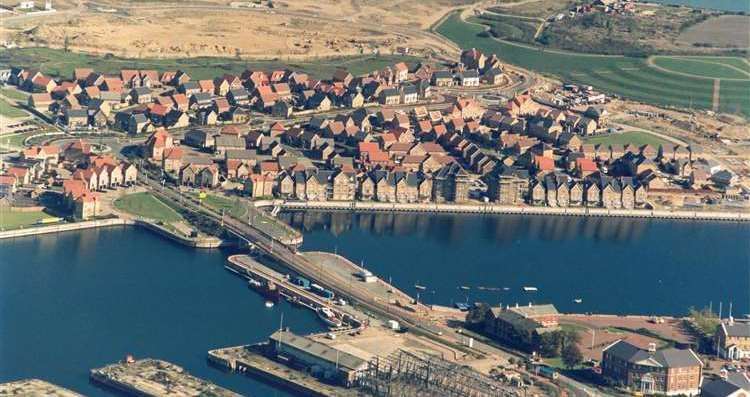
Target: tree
point(571, 355)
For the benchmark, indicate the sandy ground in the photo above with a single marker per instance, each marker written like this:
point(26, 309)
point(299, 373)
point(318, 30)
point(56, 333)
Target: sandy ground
point(292, 29)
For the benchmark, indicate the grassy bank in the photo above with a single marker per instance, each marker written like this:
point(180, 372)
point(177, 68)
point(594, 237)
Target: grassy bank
point(628, 77)
point(60, 63)
point(10, 220)
point(636, 138)
point(147, 206)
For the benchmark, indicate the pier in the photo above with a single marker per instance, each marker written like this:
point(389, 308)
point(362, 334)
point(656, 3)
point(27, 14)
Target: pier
point(250, 361)
point(34, 387)
point(272, 282)
point(149, 377)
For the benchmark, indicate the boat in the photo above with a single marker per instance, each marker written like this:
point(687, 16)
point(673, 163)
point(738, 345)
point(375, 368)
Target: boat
point(420, 287)
point(269, 304)
point(530, 289)
point(506, 288)
point(577, 300)
point(464, 287)
point(328, 316)
point(253, 283)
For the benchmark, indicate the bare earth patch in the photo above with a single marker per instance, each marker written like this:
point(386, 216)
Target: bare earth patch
point(723, 31)
point(291, 29)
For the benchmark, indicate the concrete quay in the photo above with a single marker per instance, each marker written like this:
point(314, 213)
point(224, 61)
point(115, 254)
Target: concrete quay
point(149, 377)
point(489, 208)
point(249, 268)
point(65, 227)
point(209, 242)
point(34, 387)
point(249, 360)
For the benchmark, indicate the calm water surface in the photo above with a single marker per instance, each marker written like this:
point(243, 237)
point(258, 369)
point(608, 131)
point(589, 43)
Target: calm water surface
point(76, 301)
point(722, 5)
point(613, 265)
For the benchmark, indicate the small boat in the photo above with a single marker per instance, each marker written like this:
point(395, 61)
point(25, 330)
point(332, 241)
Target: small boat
point(464, 287)
point(329, 317)
point(506, 288)
point(420, 287)
point(253, 283)
point(577, 300)
point(530, 289)
point(269, 304)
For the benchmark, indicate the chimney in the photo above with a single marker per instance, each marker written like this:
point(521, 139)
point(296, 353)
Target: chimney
point(652, 347)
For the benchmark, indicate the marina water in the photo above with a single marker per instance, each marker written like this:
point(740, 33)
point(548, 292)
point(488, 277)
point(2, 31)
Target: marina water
point(614, 265)
point(81, 300)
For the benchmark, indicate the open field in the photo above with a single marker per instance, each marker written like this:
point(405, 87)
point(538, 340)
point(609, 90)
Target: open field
point(14, 220)
point(233, 207)
point(636, 138)
point(299, 29)
point(730, 68)
point(147, 206)
point(60, 63)
point(14, 94)
point(628, 77)
point(11, 110)
point(722, 31)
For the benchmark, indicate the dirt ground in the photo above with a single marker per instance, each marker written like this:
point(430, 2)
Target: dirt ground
point(597, 332)
point(723, 31)
point(292, 29)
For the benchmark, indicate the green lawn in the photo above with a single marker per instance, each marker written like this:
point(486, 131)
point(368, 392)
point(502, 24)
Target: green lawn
point(702, 66)
point(16, 140)
point(232, 206)
point(147, 206)
point(60, 63)
point(15, 220)
point(628, 77)
point(12, 111)
point(14, 94)
point(637, 138)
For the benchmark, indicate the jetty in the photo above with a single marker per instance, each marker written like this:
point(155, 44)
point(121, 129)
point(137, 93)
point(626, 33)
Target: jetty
point(150, 377)
point(249, 360)
point(34, 387)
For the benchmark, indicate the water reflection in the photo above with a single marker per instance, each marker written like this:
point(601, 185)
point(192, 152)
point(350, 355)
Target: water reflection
point(501, 229)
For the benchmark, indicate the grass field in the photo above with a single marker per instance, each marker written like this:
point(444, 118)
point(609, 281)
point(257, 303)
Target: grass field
point(706, 67)
point(147, 206)
point(14, 94)
point(15, 220)
point(16, 140)
point(61, 63)
point(636, 138)
point(628, 77)
point(8, 110)
point(233, 207)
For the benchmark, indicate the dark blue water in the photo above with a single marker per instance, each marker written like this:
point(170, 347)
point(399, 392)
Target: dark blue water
point(721, 5)
point(75, 301)
point(614, 265)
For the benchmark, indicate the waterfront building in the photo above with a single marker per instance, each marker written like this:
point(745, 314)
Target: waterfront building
point(649, 371)
point(732, 339)
point(322, 360)
point(519, 326)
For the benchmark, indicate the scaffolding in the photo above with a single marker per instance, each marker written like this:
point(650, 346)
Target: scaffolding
point(407, 374)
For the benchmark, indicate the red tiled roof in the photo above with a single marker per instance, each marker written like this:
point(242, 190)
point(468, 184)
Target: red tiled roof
point(544, 163)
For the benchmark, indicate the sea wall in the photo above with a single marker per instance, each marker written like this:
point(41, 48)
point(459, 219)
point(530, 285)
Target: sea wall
point(501, 209)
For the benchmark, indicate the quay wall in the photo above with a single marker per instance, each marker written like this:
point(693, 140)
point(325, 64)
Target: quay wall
point(64, 227)
point(501, 209)
point(69, 227)
point(258, 370)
